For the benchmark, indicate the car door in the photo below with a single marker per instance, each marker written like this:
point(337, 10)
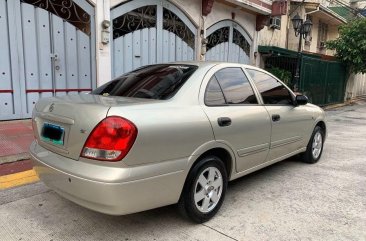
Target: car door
point(235, 115)
point(289, 122)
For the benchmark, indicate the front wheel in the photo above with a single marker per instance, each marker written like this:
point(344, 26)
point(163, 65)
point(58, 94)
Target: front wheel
point(204, 190)
point(315, 146)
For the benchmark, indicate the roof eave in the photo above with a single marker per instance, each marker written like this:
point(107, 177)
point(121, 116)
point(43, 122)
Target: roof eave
point(333, 14)
point(253, 6)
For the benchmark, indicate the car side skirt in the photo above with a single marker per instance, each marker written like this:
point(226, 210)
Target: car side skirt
point(253, 169)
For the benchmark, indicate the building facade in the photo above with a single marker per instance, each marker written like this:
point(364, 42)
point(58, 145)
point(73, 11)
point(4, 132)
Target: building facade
point(325, 27)
point(326, 17)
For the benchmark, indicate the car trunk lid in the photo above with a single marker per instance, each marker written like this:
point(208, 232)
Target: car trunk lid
point(72, 117)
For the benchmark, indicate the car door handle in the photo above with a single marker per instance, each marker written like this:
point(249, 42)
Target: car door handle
point(224, 121)
point(276, 117)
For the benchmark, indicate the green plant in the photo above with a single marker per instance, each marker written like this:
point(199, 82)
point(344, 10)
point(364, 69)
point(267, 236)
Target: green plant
point(350, 46)
point(282, 74)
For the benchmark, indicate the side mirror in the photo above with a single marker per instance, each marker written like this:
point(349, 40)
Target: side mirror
point(301, 100)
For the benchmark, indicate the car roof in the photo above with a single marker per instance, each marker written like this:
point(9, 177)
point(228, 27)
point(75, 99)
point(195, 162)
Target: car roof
point(212, 63)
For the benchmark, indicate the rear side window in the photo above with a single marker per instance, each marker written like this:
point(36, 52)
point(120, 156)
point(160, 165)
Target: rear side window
point(158, 82)
point(214, 95)
point(230, 85)
point(272, 91)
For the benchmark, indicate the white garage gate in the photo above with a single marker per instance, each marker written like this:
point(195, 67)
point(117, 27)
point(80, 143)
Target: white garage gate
point(149, 32)
point(47, 49)
point(229, 42)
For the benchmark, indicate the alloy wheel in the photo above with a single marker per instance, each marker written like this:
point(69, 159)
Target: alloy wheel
point(317, 145)
point(208, 189)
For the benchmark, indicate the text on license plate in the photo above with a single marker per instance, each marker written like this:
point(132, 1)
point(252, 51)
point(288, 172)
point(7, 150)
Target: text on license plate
point(53, 133)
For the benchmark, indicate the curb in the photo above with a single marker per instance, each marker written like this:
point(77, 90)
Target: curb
point(18, 179)
point(335, 106)
point(14, 158)
point(15, 167)
point(346, 103)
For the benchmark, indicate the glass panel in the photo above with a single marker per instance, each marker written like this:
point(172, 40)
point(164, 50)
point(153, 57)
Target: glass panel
point(158, 82)
point(236, 87)
point(239, 39)
point(214, 95)
point(144, 17)
point(272, 91)
point(221, 35)
point(174, 24)
point(67, 10)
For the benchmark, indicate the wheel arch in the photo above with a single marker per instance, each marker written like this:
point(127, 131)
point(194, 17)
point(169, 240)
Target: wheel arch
point(221, 150)
point(321, 124)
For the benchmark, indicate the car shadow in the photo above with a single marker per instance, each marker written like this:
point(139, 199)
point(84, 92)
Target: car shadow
point(269, 171)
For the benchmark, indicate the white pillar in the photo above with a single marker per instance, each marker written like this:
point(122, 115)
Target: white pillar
point(103, 51)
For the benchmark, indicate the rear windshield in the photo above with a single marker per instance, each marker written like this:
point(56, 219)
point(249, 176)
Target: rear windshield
point(159, 82)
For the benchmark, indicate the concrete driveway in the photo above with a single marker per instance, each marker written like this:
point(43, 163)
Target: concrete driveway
point(287, 201)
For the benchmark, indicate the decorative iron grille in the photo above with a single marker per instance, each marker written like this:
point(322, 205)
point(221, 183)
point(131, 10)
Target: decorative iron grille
point(282, 63)
point(139, 18)
point(221, 35)
point(172, 23)
point(239, 39)
point(67, 10)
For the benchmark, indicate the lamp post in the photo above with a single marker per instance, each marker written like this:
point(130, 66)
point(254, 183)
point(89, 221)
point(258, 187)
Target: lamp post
point(301, 29)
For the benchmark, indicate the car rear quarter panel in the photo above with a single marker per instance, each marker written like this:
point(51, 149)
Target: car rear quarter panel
point(166, 131)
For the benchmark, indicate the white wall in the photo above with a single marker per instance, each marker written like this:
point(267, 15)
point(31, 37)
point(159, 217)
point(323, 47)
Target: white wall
point(192, 8)
point(277, 38)
point(356, 86)
point(103, 59)
point(223, 12)
point(116, 2)
point(103, 51)
point(274, 37)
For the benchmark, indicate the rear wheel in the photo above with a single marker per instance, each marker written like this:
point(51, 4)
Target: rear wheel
point(315, 146)
point(204, 190)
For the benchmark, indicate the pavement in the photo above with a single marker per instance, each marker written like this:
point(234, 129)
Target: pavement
point(15, 166)
point(289, 200)
point(15, 139)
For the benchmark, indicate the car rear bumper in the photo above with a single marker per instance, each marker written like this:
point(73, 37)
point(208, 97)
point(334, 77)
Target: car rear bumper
point(125, 191)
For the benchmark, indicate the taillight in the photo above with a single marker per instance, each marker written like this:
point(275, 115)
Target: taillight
point(110, 140)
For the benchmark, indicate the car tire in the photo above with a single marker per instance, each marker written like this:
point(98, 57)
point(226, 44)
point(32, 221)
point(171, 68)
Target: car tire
point(314, 148)
point(204, 190)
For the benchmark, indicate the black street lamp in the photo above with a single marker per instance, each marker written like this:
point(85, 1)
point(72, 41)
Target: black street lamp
point(303, 29)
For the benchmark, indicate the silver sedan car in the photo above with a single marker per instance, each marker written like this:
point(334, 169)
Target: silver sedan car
point(171, 133)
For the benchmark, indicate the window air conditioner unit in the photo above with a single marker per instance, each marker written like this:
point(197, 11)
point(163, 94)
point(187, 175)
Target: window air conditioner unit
point(275, 22)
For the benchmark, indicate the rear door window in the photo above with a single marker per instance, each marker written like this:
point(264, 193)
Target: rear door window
point(272, 91)
point(158, 82)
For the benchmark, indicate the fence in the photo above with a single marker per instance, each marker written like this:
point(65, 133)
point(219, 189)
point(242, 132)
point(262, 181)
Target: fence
point(323, 81)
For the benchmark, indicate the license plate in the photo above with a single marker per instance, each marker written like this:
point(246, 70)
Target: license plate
point(53, 133)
